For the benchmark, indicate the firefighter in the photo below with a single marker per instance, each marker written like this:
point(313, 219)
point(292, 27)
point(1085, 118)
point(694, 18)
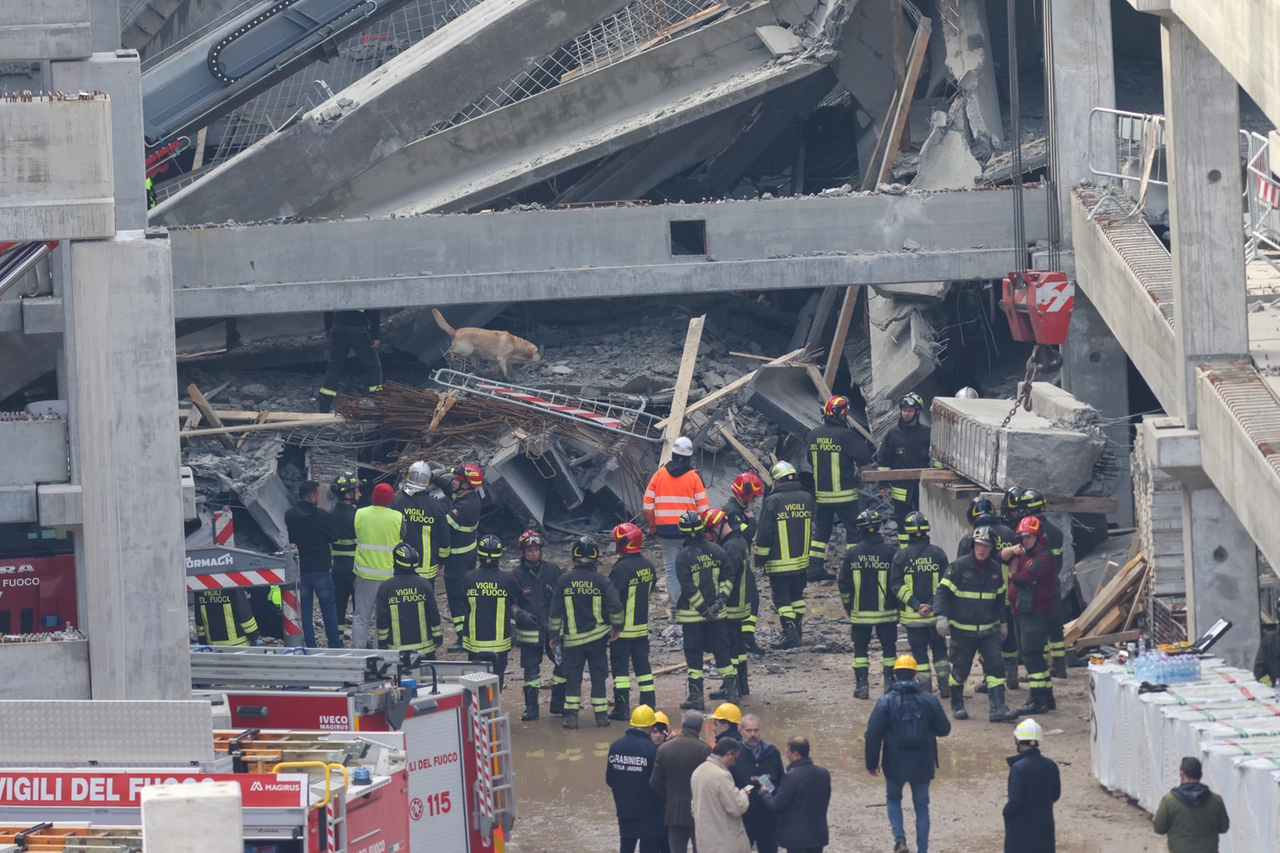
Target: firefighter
point(633, 576)
point(492, 605)
point(408, 617)
point(425, 524)
point(746, 487)
point(377, 535)
point(1011, 507)
point(905, 446)
point(223, 618)
point(674, 489)
point(782, 549)
point(537, 579)
point(1031, 591)
point(982, 513)
point(463, 519)
point(969, 608)
point(586, 615)
point(348, 331)
point(837, 456)
point(864, 591)
point(913, 580)
point(738, 609)
point(706, 579)
point(1032, 504)
point(346, 493)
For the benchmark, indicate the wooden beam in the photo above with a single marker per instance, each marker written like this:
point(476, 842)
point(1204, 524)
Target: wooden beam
point(826, 302)
point(919, 48)
point(244, 436)
point(225, 431)
point(746, 454)
point(230, 416)
point(1077, 503)
point(740, 382)
point(198, 160)
point(675, 422)
point(198, 400)
point(1105, 640)
point(749, 355)
point(819, 382)
point(924, 475)
point(899, 26)
point(872, 170)
point(842, 332)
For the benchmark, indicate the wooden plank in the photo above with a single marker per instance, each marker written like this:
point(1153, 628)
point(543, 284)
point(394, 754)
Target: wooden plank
point(225, 431)
point(231, 416)
point(842, 329)
point(198, 400)
point(193, 416)
point(824, 389)
point(1137, 597)
point(746, 454)
point(740, 382)
point(872, 170)
point(244, 436)
point(924, 475)
point(1112, 620)
point(1076, 503)
point(919, 48)
point(683, 380)
point(198, 160)
point(826, 302)
point(749, 355)
point(1105, 640)
point(1107, 597)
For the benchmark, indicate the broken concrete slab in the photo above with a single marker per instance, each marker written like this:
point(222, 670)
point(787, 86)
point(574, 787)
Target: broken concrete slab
point(971, 63)
point(902, 355)
point(786, 395)
point(553, 466)
point(1031, 452)
point(919, 291)
point(945, 159)
point(1061, 407)
point(865, 67)
point(516, 482)
point(778, 40)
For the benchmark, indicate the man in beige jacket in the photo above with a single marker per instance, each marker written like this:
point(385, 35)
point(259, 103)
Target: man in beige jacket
point(718, 804)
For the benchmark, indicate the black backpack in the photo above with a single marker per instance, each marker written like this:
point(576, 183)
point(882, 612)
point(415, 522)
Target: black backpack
point(906, 719)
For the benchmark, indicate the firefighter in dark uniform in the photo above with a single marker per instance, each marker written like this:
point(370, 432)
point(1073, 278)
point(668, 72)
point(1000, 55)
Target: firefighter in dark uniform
point(982, 513)
point(407, 615)
point(537, 579)
point(1032, 504)
point(837, 456)
point(905, 446)
point(425, 525)
point(223, 618)
point(463, 519)
point(492, 606)
point(633, 576)
point(349, 331)
point(346, 494)
point(969, 607)
point(782, 549)
point(737, 609)
point(706, 579)
point(746, 487)
point(913, 580)
point(864, 591)
point(586, 615)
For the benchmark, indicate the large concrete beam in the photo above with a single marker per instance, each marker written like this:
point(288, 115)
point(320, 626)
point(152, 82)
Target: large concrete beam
point(47, 29)
point(1244, 35)
point(289, 171)
point(575, 254)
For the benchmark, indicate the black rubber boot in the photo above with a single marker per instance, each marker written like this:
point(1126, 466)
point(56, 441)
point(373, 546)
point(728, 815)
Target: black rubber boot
point(731, 692)
point(557, 700)
point(999, 712)
point(981, 688)
point(790, 637)
point(944, 679)
point(957, 703)
point(621, 705)
point(1049, 700)
point(888, 679)
point(750, 645)
point(695, 702)
point(530, 704)
point(650, 698)
point(602, 720)
point(862, 684)
point(1011, 674)
point(1037, 703)
point(744, 688)
point(570, 720)
point(1058, 667)
point(799, 628)
point(722, 694)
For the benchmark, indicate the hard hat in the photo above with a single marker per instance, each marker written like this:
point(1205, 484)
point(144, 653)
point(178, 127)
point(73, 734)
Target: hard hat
point(967, 393)
point(904, 662)
point(837, 407)
point(383, 494)
point(682, 447)
point(661, 719)
point(983, 534)
point(980, 506)
point(1030, 526)
point(627, 538)
point(489, 548)
point(690, 523)
point(345, 483)
point(643, 717)
point(471, 474)
point(585, 550)
point(911, 401)
point(728, 712)
point(1028, 731)
point(418, 478)
point(916, 524)
point(869, 521)
point(530, 538)
point(746, 486)
point(1032, 501)
point(406, 555)
point(1012, 502)
point(782, 471)
point(712, 518)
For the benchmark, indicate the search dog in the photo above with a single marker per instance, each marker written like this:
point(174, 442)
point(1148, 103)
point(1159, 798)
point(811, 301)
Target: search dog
point(488, 344)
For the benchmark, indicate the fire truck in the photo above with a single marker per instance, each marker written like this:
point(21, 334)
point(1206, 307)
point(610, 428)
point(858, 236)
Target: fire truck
point(334, 751)
point(37, 580)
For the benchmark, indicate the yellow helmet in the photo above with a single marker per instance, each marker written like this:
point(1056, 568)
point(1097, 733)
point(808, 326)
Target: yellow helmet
point(643, 717)
point(905, 662)
point(660, 717)
point(728, 713)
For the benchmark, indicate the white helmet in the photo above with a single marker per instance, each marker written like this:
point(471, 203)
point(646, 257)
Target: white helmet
point(1028, 731)
point(418, 478)
point(967, 393)
point(682, 447)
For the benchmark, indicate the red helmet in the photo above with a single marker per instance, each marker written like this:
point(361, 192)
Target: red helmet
point(627, 538)
point(747, 486)
point(528, 538)
point(712, 518)
point(1030, 525)
point(471, 474)
point(836, 407)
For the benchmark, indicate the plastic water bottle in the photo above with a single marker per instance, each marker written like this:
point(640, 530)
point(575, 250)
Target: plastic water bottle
point(1142, 645)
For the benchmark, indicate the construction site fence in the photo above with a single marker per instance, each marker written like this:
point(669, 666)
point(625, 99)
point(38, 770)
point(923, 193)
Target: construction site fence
point(1127, 152)
point(1262, 200)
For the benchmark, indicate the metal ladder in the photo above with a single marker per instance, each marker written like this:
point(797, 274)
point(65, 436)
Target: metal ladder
point(600, 414)
point(220, 667)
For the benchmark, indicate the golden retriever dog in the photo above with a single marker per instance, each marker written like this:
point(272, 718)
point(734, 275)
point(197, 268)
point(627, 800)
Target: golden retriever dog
point(488, 344)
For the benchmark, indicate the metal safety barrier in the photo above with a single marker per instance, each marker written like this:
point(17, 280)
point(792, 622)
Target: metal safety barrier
point(1262, 201)
point(1133, 162)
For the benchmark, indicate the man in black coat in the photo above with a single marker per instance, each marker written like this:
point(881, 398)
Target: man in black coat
point(313, 531)
point(800, 801)
point(640, 809)
point(1034, 786)
point(758, 758)
point(672, 779)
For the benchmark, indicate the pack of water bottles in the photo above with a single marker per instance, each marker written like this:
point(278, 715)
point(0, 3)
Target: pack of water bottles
point(1157, 667)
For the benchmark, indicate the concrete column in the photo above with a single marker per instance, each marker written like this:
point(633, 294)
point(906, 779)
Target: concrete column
point(1096, 370)
point(1202, 110)
point(122, 383)
point(104, 22)
point(1084, 78)
point(1222, 573)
